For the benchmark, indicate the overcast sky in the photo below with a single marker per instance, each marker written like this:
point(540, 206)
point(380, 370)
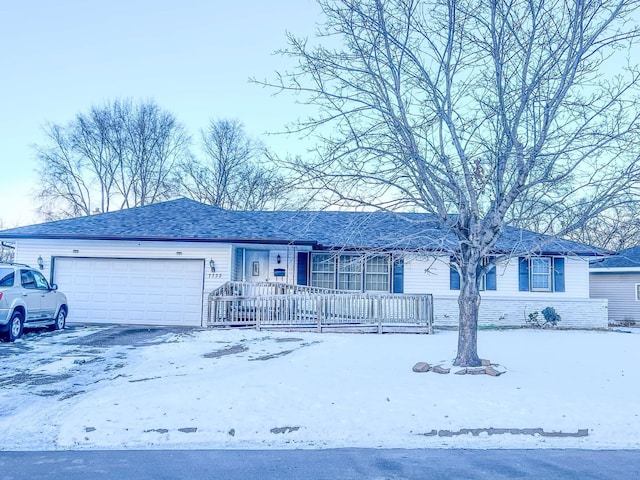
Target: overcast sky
point(193, 57)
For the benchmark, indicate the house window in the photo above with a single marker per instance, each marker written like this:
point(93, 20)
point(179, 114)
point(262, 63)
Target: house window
point(487, 281)
point(323, 270)
point(353, 272)
point(377, 274)
point(541, 274)
point(638, 292)
point(350, 272)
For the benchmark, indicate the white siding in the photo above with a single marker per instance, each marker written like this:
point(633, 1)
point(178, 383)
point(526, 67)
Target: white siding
point(288, 256)
point(507, 306)
point(421, 275)
point(427, 275)
point(28, 251)
point(431, 275)
point(287, 262)
point(576, 275)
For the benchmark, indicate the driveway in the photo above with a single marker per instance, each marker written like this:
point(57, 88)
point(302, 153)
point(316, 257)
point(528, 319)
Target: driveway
point(34, 362)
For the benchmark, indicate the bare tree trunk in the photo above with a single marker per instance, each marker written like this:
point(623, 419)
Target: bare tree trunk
point(469, 306)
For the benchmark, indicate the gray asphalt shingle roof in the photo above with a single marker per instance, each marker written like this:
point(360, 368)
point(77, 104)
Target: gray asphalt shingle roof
point(188, 220)
point(629, 257)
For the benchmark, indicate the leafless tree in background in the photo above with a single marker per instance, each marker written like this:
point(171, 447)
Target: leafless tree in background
point(615, 229)
point(234, 171)
point(6, 249)
point(496, 111)
point(116, 156)
point(6, 252)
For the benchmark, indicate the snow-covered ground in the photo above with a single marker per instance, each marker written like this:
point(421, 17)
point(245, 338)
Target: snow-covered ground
point(244, 389)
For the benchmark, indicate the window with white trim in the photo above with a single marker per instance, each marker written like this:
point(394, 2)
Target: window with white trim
point(541, 274)
point(377, 270)
point(350, 272)
point(638, 292)
point(323, 270)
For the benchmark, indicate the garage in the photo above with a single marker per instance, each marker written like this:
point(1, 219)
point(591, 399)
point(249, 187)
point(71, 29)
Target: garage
point(132, 291)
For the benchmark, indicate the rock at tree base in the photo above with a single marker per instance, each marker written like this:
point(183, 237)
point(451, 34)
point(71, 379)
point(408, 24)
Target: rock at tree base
point(476, 371)
point(421, 367)
point(441, 370)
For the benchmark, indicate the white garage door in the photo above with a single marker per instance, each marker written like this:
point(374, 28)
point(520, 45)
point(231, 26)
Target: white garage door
point(140, 291)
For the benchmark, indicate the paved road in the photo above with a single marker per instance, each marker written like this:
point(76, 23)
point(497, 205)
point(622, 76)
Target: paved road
point(341, 464)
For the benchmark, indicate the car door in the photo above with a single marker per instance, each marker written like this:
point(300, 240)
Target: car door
point(31, 295)
point(48, 296)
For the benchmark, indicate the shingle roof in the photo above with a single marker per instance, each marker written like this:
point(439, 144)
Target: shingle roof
point(188, 220)
point(627, 258)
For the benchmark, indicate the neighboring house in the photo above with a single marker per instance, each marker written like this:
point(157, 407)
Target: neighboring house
point(156, 264)
point(617, 279)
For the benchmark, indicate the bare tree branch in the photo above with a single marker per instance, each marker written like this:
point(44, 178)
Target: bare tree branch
point(235, 171)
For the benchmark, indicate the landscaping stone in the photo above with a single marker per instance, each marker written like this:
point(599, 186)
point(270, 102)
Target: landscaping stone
point(485, 363)
point(421, 367)
point(441, 370)
point(493, 372)
point(476, 371)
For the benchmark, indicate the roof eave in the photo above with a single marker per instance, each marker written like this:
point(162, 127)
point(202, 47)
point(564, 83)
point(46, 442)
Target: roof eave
point(139, 238)
point(635, 269)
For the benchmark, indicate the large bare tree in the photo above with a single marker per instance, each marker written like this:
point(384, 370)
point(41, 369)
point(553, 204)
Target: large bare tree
point(481, 112)
point(115, 156)
point(234, 171)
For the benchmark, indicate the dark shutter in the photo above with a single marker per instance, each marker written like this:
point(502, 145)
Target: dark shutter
point(490, 278)
point(558, 274)
point(454, 276)
point(303, 268)
point(523, 274)
point(398, 275)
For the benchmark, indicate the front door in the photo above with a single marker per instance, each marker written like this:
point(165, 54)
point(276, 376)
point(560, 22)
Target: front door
point(256, 266)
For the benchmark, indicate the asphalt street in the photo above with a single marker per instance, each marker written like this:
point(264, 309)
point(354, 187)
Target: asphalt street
point(343, 464)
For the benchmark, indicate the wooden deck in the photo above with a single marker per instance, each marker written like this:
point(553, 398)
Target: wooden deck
point(282, 306)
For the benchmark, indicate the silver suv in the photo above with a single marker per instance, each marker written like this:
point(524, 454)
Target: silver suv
point(27, 300)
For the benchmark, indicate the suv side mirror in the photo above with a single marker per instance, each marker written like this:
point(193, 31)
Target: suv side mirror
point(54, 286)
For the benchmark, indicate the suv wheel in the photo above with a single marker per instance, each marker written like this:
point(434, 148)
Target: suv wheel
point(60, 320)
point(16, 325)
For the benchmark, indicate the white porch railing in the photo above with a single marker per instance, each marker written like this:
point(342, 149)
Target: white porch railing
point(258, 289)
point(293, 306)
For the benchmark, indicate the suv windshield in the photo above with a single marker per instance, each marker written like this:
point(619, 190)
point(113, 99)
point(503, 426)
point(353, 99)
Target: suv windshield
point(6, 277)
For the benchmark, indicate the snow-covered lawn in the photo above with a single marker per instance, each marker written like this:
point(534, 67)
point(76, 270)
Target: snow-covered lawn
point(247, 389)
